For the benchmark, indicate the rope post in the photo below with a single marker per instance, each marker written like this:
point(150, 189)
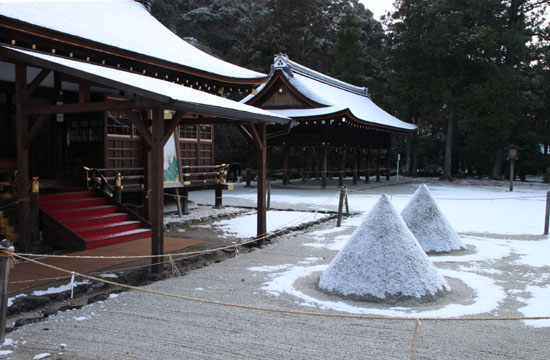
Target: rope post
point(34, 203)
point(218, 194)
point(118, 188)
point(185, 201)
point(547, 215)
point(5, 267)
point(341, 206)
point(178, 202)
point(346, 200)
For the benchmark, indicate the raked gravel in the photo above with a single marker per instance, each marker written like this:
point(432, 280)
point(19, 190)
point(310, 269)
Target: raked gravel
point(136, 325)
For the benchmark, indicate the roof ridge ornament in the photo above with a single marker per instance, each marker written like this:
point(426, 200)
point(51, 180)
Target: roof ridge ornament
point(281, 62)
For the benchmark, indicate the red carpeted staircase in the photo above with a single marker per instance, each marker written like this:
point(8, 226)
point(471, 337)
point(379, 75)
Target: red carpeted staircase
point(84, 220)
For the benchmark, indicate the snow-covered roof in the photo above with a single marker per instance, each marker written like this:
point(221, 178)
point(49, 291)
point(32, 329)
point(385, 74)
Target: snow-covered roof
point(123, 24)
point(334, 96)
point(383, 262)
point(428, 224)
point(173, 95)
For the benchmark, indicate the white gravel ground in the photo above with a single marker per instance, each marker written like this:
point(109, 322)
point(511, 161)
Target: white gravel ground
point(493, 278)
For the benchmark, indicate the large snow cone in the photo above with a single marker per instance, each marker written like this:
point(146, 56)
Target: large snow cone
point(383, 262)
point(428, 224)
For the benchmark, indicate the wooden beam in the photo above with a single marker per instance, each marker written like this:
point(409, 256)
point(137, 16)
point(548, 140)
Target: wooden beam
point(242, 128)
point(171, 126)
point(37, 81)
point(79, 108)
point(83, 93)
point(156, 197)
point(23, 207)
point(140, 125)
point(35, 131)
point(255, 136)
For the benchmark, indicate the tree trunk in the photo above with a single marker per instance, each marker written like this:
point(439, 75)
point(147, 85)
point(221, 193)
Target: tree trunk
point(451, 124)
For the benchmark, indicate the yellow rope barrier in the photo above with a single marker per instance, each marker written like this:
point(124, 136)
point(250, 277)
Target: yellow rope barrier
point(280, 311)
point(10, 254)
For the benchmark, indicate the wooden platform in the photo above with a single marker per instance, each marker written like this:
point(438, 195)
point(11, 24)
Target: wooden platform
point(28, 275)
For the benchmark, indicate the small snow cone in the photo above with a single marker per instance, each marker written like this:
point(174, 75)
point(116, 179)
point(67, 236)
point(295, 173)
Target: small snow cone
point(383, 262)
point(428, 224)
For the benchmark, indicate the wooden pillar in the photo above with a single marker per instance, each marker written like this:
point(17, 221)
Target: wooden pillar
point(21, 128)
point(156, 187)
point(367, 170)
point(34, 211)
point(147, 183)
point(262, 150)
point(342, 167)
point(285, 164)
point(355, 166)
point(388, 163)
point(378, 165)
point(324, 168)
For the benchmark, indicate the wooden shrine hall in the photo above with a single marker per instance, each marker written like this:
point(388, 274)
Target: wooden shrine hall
point(97, 79)
point(331, 115)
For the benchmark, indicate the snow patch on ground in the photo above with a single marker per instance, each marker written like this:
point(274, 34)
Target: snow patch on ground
point(241, 226)
point(487, 299)
point(536, 305)
point(59, 289)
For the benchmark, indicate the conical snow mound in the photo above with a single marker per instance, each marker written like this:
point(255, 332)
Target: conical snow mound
point(428, 224)
point(383, 262)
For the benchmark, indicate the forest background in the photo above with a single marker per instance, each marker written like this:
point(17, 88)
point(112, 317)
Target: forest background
point(474, 75)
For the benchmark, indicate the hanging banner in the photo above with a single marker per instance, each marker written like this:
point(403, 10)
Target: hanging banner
point(171, 173)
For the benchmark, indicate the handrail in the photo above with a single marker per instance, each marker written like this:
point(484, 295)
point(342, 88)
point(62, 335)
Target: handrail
point(104, 180)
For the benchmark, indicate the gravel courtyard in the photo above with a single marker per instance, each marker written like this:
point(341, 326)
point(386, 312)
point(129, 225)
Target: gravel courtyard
point(499, 275)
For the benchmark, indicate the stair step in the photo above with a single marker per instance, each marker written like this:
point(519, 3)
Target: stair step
point(72, 204)
point(63, 196)
point(117, 238)
point(83, 213)
point(108, 229)
point(78, 224)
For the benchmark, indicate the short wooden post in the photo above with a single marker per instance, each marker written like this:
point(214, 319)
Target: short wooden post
point(218, 203)
point(346, 200)
point(185, 201)
point(341, 206)
point(342, 167)
point(547, 215)
point(178, 203)
point(35, 219)
point(118, 188)
point(5, 267)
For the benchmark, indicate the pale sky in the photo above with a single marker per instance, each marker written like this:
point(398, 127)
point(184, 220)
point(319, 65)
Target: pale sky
point(378, 7)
